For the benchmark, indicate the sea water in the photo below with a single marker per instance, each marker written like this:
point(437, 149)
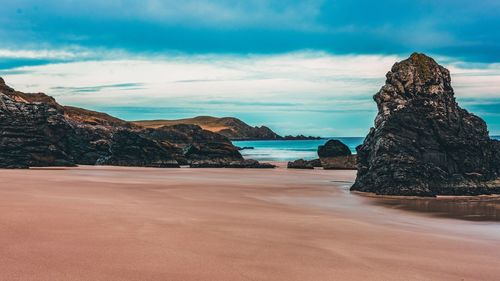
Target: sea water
point(288, 150)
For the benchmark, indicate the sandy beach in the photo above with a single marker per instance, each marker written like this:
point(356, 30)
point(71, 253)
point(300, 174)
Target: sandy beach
point(114, 223)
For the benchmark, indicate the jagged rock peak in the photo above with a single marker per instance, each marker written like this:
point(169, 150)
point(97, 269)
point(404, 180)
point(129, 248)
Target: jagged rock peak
point(423, 143)
point(418, 78)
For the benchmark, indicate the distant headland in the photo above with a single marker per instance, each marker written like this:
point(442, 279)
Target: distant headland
point(230, 127)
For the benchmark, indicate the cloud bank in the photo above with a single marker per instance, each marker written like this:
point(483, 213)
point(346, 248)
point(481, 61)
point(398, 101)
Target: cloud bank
point(301, 92)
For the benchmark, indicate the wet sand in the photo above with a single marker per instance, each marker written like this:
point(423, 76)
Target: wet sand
point(110, 223)
point(473, 208)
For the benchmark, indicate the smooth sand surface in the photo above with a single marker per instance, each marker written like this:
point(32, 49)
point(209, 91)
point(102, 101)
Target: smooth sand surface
point(110, 223)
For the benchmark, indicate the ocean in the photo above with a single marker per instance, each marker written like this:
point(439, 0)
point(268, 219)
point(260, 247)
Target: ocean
point(288, 150)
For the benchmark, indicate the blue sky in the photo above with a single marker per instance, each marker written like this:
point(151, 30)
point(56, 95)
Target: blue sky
point(297, 66)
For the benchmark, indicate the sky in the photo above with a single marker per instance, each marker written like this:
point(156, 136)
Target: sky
point(299, 67)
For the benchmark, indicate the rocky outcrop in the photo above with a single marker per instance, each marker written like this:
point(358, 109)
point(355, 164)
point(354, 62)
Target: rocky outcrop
point(333, 155)
point(300, 164)
point(89, 143)
point(128, 148)
point(28, 97)
point(304, 164)
point(196, 145)
point(78, 115)
point(336, 155)
point(230, 127)
point(239, 130)
point(32, 135)
point(315, 163)
point(246, 163)
point(423, 143)
point(333, 148)
point(339, 163)
point(37, 131)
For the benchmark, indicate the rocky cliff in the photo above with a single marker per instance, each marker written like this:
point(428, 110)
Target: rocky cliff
point(37, 131)
point(128, 148)
point(32, 135)
point(423, 143)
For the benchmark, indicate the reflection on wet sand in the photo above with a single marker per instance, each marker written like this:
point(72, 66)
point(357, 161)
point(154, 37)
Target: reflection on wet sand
point(479, 208)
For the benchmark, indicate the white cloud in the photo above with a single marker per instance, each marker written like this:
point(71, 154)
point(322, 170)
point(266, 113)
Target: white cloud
point(302, 85)
point(480, 82)
point(308, 78)
point(38, 54)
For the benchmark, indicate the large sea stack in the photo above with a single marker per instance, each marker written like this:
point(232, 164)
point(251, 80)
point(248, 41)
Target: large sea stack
point(423, 143)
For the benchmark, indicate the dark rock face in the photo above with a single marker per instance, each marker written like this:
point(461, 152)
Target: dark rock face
point(196, 144)
point(333, 148)
point(247, 163)
point(128, 148)
point(32, 135)
point(89, 143)
point(315, 162)
point(250, 163)
point(300, 164)
point(423, 143)
point(335, 155)
point(339, 162)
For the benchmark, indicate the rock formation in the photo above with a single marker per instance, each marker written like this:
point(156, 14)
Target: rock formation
point(333, 148)
point(423, 143)
point(128, 148)
point(32, 135)
point(247, 163)
point(336, 155)
point(333, 155)
point(230, 127)
point(300, 164)
point(37, 131)
point(197, 145)
point(315, 163)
